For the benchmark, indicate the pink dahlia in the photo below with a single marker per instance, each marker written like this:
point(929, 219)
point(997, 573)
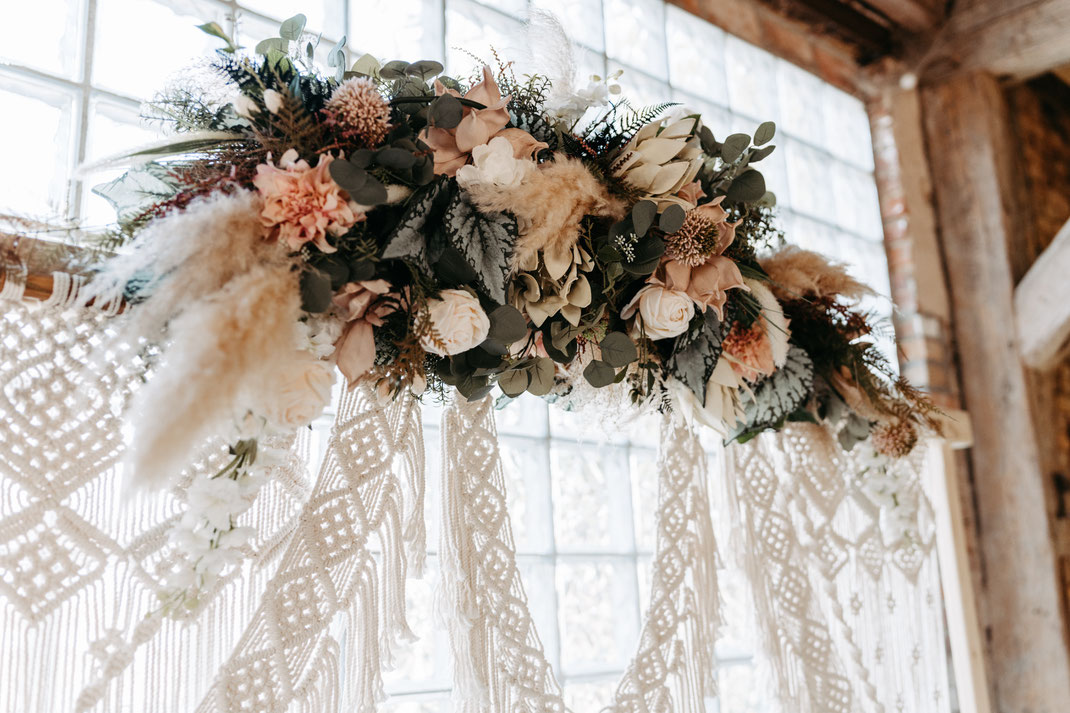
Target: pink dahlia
point(749, 351)
point(304, 203)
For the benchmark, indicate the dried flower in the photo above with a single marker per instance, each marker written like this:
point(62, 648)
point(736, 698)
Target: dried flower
point(749, 351)
point(458, 323)
point(550, 283)
point(302, 393)
point(360, 111)
point(894, 439)
point(362, 305)
point(494, 167)
point(694, 242)
point(304, 203)
point(272, 100)
point(660, 160)
point(662, 313)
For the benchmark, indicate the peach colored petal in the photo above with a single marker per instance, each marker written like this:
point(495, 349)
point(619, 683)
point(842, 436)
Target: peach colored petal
point(479, 125)
point(524, 144)
point(355, 352)
point(692, 192)
point(449, 167)
point(710, 281)
point(486, 92)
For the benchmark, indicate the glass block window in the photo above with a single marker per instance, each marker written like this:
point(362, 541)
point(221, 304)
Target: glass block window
point(72, 79)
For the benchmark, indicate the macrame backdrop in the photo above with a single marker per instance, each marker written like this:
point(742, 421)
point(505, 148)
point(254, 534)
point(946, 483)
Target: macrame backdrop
point(315, 611)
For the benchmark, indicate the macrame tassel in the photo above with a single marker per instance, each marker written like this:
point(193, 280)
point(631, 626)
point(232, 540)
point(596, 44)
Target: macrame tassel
point(498, 660)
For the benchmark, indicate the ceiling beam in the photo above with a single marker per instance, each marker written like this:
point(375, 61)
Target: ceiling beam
point(910, 15)
point(1042, 305)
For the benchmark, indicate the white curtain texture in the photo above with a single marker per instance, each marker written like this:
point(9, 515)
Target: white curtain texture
point(849, 621)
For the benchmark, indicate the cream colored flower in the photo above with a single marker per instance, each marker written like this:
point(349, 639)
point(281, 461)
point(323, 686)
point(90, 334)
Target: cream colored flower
point(301, 396)
point(244, 106)
point(272, 100)
point(662, 313)
point(722, 410)
point(552, 282)
point(493, 165)
point(660, 161)
point(458, 323)
point(304, 204)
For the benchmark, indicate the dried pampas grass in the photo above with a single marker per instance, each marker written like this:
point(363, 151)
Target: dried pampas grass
point(796, 273)
point(222, 349)
point(549, 206)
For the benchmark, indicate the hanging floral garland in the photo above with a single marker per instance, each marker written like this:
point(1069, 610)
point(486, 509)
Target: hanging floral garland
point(423, 232)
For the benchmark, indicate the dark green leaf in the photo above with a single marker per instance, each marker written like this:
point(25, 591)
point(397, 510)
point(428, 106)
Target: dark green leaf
point(337, 270)
point(765, 133)
point(361, 270)
point(608, 253)
point(493, 346)
point(371, 193)
point(599, 374)
point(452, 269)
point(507, 324)
point(709, 144)
point(672, 218)
point(395, 159)
point(291, 29)
point(409, 239)
point(484, 240)
point(362, 158)
point(618, 349)
point(316, 291)
point(425, 69)
point(762, 153)
point(514, 382)
point(696, 353)
point(482, 358)
point(350, 178)
point(393, 70)
point(445, 112)
point(748, 187)
point(734, 146)
point(542, 376)
point(647, 256)
point(643, 214)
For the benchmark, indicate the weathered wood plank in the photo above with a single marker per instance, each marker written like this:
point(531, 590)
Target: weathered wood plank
point(973, 174)
point(1042, 305)
point(911, 15)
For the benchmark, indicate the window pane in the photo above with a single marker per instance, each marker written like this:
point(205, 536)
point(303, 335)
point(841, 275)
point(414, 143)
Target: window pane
point(46, 35)
point(326, 16)
point(696, 55)
point(582, 20)
point(473, 31)
point(635, 34)
point(36, 124)
point(751, 78)
point(415, 29)
point(599, 615)
point(130, 59)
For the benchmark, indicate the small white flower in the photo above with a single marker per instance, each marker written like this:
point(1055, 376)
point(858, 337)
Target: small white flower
point(493, 163)
point(272, 100)
point(663, 313)
point(302, 394)
point(244, 106)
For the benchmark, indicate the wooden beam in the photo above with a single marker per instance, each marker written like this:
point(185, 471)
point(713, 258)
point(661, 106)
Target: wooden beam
point(972, 163)
point(1014, 38)
point(910, 15)
point(1042, 305)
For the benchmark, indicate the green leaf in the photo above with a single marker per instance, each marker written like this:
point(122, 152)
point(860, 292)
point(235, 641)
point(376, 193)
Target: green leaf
point(214, 29)
point(765, 133)
point(599, 374)
point(452, 269)
point(507, 324)
point(349, 178)
point(484, 240)
point(618, 349)
point(316, 291)
point(409, 239)
point(647, 256)
point(734, 146)
point(136, 190)
point(696, 353)
point(608, 253)
point(371, 193)
point(760, 154)
point(748, 187)
point(778, 396)
point(277, 44)
point(425, 69)
point(643, 214)
point(291, 29)
point(542, 376)
point(394, 70)
point(395, 159)
point(361, 270)
point(514, 382)
point(709, 144)
point(367, 65)
point(445, 112)
point(672, 218)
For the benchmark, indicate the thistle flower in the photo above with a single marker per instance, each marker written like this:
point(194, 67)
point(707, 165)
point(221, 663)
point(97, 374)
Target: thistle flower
point(895, 439)
point(357, 107)
point(695, 241)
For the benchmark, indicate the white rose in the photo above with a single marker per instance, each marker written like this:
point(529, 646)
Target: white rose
point(272, 100)
point(493, 163)
point(663, 313)
point(303, 394)
point(459, 323)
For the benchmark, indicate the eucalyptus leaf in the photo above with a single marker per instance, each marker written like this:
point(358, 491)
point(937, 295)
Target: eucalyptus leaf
point(277, 44)
point(765, 133)
point(316, 291)
point(362, 158)
point(395, 159)
point(672, 218)
point(349, 178)
point(371, 193)
point(514, 382)
point(393, 70)
point(291, 29)
point(542, 376)
point(643, 214)
point(599, 374)
point(734, 146)
point(361, 270)
point(336, 57)
point(507, 324)
point(618, 349)
point(494, 346)
point(367, 65)
point(425, 69)
point(445, 112)
point(760, 154)
point(483, 358)
point(747, 187)
point(214, 29)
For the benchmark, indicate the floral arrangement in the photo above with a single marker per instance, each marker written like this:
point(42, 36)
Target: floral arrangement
point(422, 232)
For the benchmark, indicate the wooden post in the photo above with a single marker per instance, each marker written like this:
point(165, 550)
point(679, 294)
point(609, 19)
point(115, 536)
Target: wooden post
point(972, 159)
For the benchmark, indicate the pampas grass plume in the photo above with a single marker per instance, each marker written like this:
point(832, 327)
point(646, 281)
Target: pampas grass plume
point(796, 273)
